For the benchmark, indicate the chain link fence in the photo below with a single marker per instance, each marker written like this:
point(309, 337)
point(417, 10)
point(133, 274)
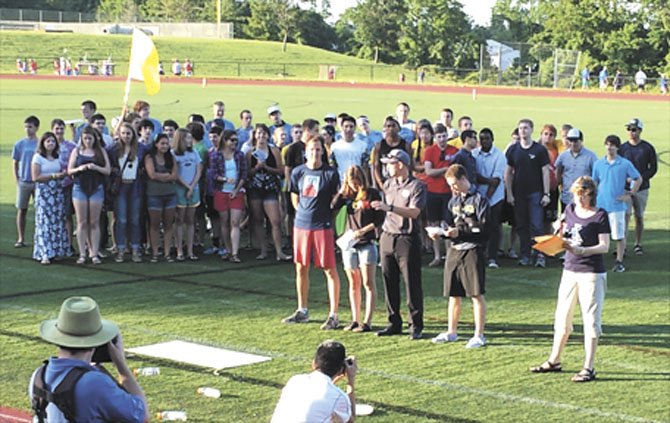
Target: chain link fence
point(32, 15)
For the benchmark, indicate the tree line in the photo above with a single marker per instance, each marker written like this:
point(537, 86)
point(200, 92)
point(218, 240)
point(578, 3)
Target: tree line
point(620, 34)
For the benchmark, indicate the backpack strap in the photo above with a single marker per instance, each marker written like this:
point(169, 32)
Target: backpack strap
point(62, 397)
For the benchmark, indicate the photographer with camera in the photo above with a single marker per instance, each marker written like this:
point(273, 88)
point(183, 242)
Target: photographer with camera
point(467, 220)
point(73, 386)
point(314, 397)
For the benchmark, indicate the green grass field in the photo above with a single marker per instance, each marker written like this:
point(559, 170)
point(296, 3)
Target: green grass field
point(240, 306)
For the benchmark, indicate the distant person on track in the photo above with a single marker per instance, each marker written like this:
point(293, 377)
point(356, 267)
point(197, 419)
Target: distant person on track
point(640, 80)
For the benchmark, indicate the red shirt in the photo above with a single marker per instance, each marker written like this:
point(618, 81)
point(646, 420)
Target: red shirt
point(438, 159)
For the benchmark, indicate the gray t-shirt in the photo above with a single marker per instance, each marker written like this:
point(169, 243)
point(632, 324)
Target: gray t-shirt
point(409, 193)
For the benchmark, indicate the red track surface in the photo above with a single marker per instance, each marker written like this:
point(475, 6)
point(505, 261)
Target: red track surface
point(483, 90)
point(10, 415)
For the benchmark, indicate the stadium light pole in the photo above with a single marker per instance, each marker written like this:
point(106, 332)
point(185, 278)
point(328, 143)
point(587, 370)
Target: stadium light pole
point(218, 19)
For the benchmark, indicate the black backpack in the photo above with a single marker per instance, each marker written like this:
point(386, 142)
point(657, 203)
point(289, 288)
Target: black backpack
point(62, 396)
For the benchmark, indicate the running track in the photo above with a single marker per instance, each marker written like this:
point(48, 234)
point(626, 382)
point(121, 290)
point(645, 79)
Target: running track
point(447, 89)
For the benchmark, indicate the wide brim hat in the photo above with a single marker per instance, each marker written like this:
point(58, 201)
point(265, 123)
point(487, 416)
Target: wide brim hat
point(79, 325)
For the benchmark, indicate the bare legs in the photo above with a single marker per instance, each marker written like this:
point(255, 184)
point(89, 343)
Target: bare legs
point(366, 278)
point(478, 309)
point(88, 226)
point(185, 218)
point(166, 216)
point(302, 287)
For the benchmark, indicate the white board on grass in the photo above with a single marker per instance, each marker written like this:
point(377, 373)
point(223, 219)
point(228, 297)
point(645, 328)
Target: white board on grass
point(198, 355)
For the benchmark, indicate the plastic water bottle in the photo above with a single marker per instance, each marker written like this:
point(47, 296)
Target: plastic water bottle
point(209, 392)
point(147, 371)
point(171, 416)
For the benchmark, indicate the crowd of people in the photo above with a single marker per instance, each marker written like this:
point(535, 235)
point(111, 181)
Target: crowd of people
point(166, 192)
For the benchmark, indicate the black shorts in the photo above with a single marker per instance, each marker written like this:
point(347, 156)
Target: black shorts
point(465, 273)
point(436, 206)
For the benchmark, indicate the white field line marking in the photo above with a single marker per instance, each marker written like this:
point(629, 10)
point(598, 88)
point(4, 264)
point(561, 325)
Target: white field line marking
point(8, 417)
point(400, 377)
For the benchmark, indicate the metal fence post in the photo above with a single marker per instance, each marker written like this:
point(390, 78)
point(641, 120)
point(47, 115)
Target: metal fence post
point(372, 73)
point(481, 63)
point(60, 16)
point(40, 16)
point(238, 69)
point(21, 15)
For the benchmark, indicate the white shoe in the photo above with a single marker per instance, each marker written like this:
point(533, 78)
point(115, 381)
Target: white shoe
point(444, 337)
point(493, 264)
point(476, 342)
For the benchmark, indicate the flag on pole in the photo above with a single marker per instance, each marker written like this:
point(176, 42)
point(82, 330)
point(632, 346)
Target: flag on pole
point(144, 62)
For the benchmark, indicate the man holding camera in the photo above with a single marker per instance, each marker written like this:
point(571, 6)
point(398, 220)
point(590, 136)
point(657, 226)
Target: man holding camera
point(314, 397)
point(93, 394)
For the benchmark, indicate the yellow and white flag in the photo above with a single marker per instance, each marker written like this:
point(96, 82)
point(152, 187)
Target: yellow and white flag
point(144, 62)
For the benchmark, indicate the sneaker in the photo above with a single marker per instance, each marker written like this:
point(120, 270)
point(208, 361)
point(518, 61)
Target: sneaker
point(119, 258)
point(136, 257)
point(493, 264)
point(512, 254)
point(476, 342)
point(619, 267)
point(223, 251)
point(524, 261)
point(209, 251)
point(638, 250)
point(297, 317)
point(331, 323)
point(540, 261)
point(444, 337)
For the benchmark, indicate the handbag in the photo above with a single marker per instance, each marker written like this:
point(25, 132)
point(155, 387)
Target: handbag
point(116, 181)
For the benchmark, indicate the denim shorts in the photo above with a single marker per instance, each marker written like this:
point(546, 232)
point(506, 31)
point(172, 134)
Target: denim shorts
point(182, 201)
point(161, 202)
point(359, 255)
point(97, 197)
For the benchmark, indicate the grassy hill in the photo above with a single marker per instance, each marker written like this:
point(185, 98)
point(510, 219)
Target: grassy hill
point(223, 58)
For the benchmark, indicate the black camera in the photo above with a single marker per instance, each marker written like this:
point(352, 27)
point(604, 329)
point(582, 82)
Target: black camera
point(101, 354)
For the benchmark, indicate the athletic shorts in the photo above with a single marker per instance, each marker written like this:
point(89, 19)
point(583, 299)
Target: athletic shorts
point(97, 197)
point(617, 225)
point(360, 255)
point(182, 201)
point(24, 191)
point(436, 206)
point(161, 202)
point(638, 203)
point(587, 288)
point(223, 202)
point(464, 273)
point(317, 242)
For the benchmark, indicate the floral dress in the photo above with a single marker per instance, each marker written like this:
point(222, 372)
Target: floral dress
point(50, 233)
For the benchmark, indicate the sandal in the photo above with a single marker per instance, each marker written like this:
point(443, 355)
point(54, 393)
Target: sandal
point(547, 367)
point(81, 260)
point(19, 244)
point(362, 328)
point(235, 259)
point(180, 257)
point(193, 258)
point(284, 257)
point(352, 326)
point(96, 260)
point(154, 259)
point(169, 259)
point(261, 257)
point(585, 375)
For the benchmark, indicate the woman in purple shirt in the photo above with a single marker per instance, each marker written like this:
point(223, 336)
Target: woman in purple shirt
point(586, 231)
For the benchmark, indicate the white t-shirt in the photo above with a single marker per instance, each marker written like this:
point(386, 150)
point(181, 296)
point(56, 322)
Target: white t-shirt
point(47, 167)
point(346, 154)
point(312, 398)
point(130, 169)
point(640, 78)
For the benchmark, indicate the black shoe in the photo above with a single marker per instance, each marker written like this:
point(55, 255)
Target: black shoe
point(389, 331)
point(414, 335)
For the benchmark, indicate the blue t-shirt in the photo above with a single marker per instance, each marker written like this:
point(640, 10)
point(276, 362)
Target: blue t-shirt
point(97, 396)
point(371, 139)
point(611, 180)
point(316, 189)
point(188, 165)
point(584, 233)
point(23, 152)
point(527, 164)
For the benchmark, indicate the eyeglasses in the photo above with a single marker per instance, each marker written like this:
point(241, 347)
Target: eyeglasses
point(573, 139)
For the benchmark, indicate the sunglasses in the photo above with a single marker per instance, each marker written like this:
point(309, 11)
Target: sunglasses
point(631, 129)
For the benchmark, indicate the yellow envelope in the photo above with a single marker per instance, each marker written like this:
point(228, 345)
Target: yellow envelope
point(549, 244)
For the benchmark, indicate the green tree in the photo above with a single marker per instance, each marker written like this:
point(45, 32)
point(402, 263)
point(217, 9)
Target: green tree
point(437, 32)
point(172, 10)
point(118, 11)
point(313, 30)
point(378, 24)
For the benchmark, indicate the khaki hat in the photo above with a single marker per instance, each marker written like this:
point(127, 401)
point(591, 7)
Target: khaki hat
point(79, 325)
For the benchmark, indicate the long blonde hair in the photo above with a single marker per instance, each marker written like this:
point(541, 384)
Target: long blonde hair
point(355, 172)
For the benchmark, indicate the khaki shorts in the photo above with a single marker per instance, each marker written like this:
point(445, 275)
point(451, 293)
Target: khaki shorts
point(24, 191)
point(587, 288)
point(638, 203)
point(617, 225)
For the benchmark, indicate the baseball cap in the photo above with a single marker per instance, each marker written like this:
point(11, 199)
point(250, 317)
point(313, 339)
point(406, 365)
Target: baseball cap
point(574, 134)
point(273, 109)
point(396, 155)
point(330, 116)
point(637, 123)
